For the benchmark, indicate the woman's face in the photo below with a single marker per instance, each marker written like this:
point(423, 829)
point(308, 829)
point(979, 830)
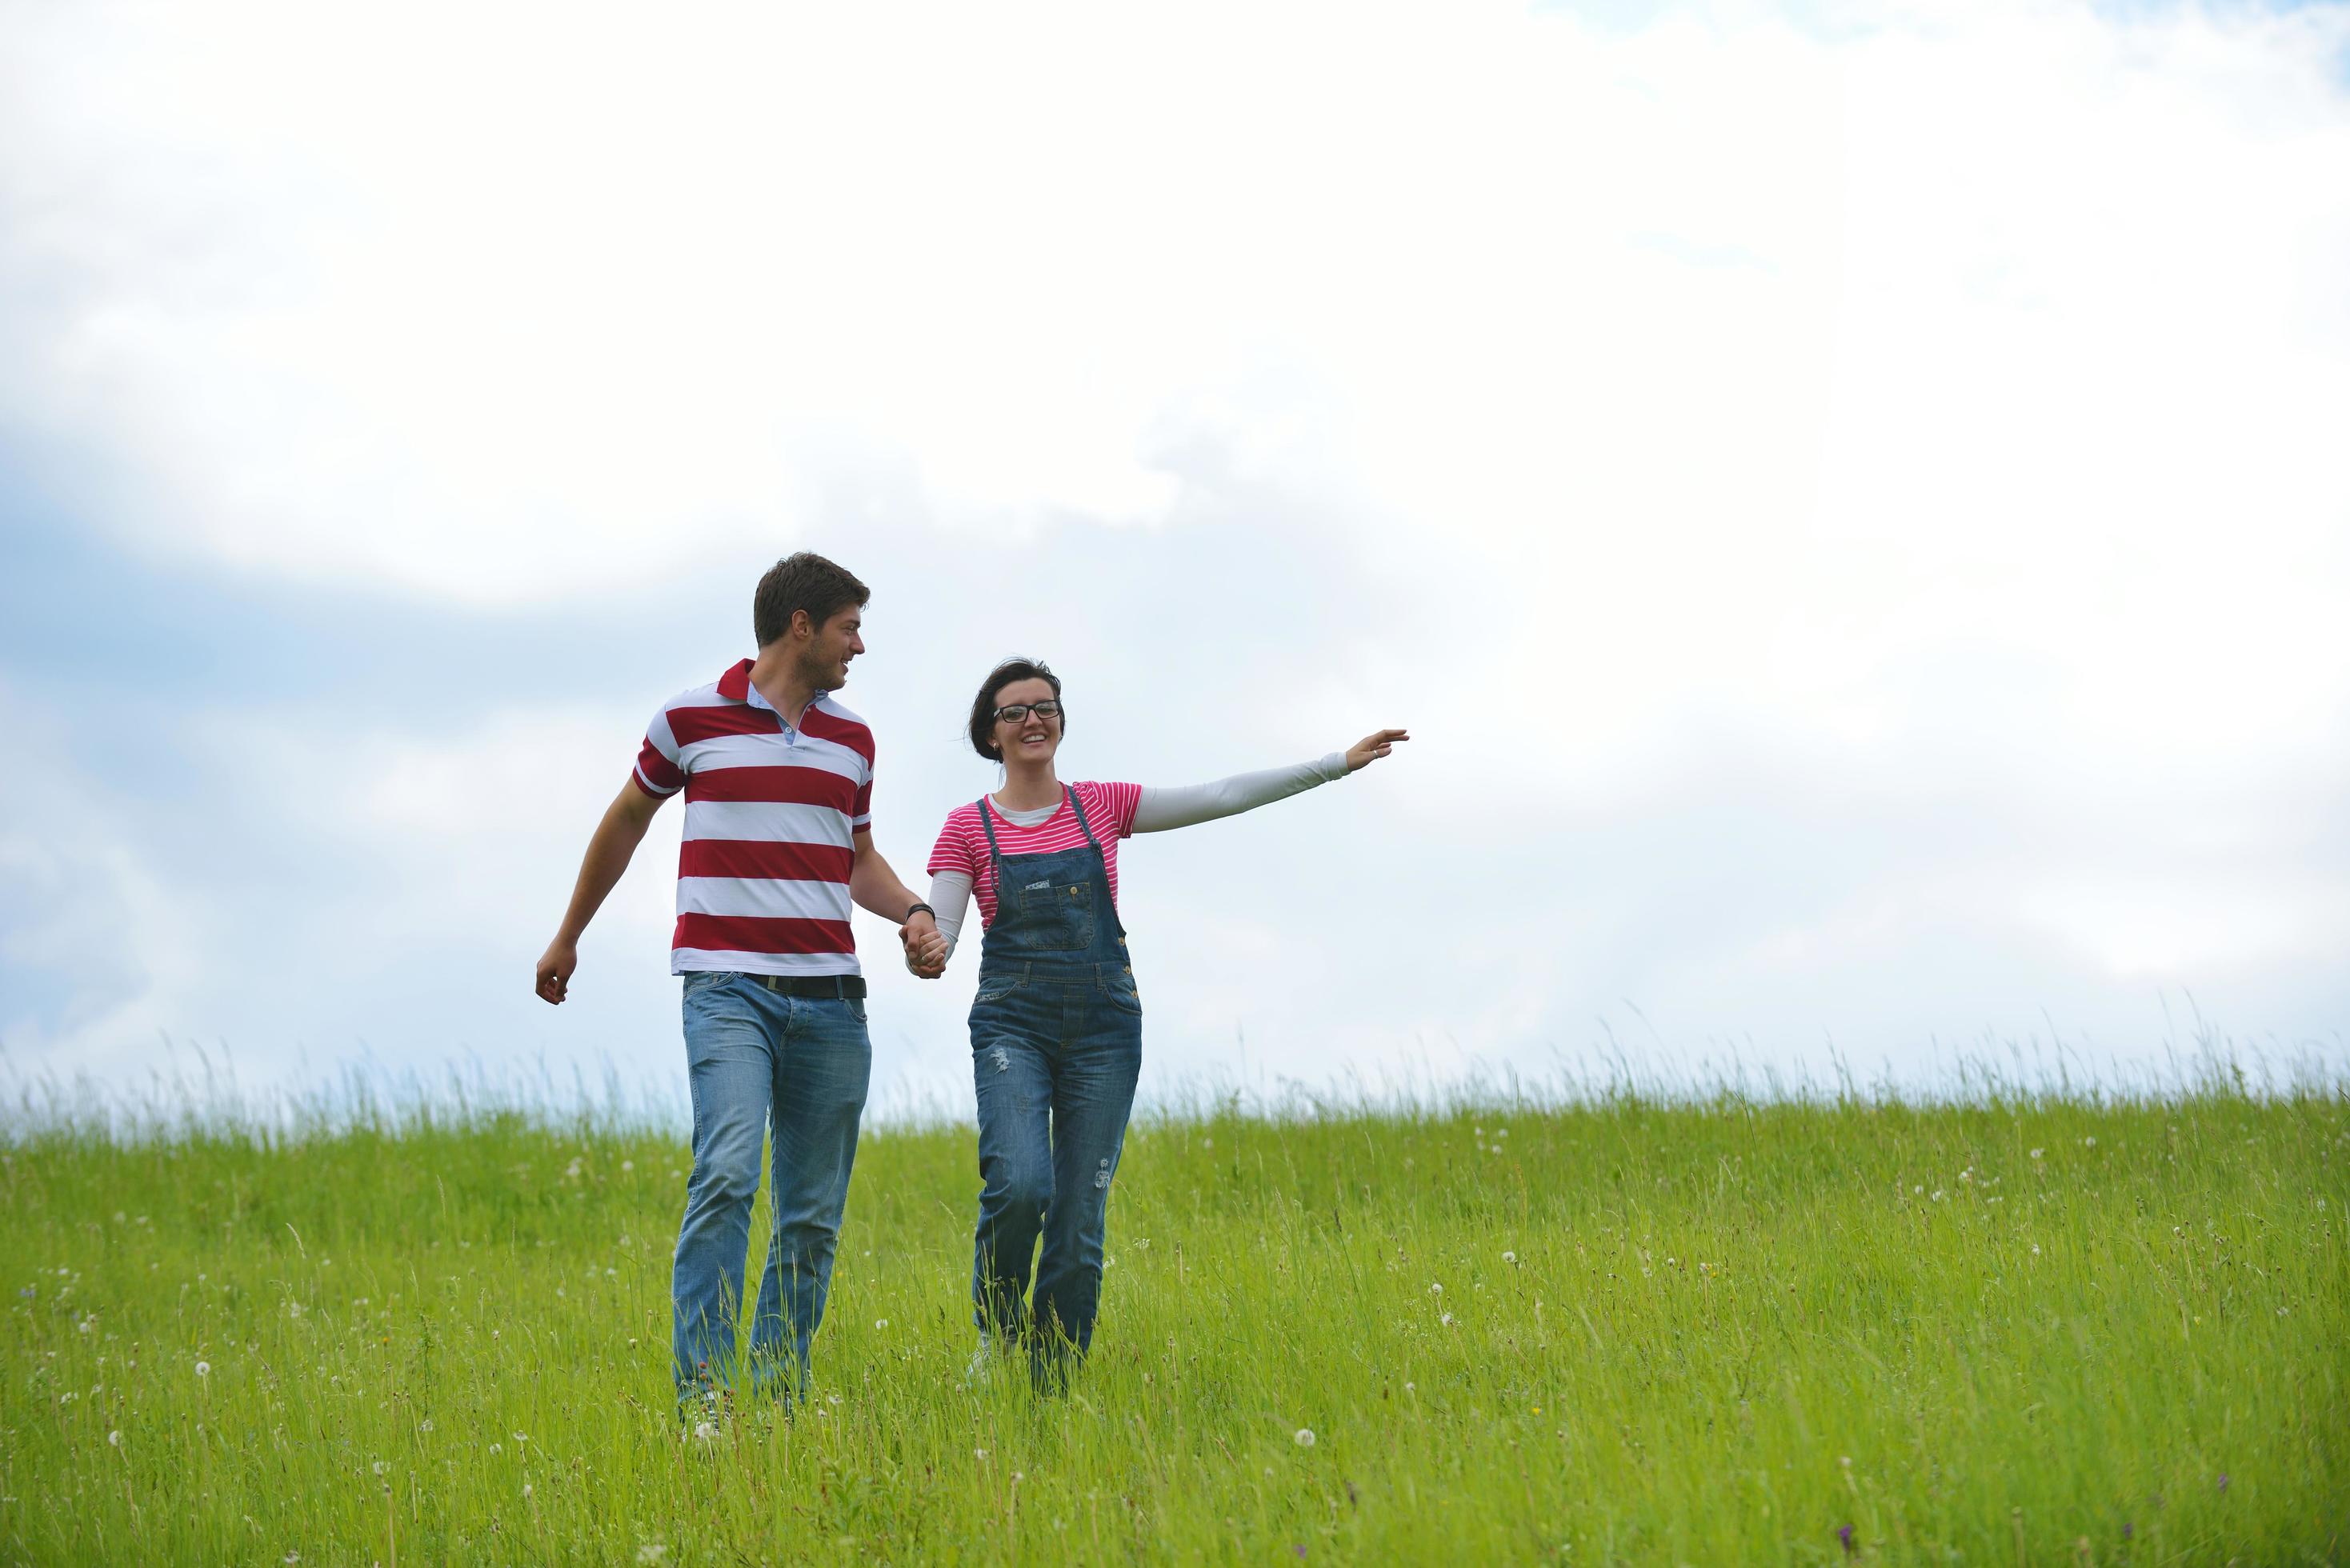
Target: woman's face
point(1031, 737)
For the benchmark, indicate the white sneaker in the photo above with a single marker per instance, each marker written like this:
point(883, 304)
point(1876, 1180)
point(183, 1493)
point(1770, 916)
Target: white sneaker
point(983, 1362)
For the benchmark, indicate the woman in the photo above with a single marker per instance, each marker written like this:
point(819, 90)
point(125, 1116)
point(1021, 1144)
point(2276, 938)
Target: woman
point(1056, 1025)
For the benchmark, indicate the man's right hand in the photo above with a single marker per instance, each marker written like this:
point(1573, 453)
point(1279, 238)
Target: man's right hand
point(555, 967)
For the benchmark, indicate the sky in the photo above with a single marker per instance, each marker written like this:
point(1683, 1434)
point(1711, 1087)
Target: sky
point(1849, 501)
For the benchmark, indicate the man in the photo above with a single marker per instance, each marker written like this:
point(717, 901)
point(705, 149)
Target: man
point(778, 785)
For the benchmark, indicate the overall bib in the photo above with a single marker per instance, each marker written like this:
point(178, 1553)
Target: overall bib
point(1057, 1046)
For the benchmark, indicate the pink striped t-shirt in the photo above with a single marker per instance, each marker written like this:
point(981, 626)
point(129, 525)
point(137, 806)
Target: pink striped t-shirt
point(962, 841)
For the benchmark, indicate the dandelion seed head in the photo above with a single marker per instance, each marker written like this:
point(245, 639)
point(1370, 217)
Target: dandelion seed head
point(204, 1369)
point(1304, 1437)
point(114, 1440)
point(1509, 1257)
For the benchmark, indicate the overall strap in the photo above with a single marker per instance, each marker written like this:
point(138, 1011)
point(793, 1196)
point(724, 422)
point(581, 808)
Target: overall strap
point(995, 851)
point(1080, 808)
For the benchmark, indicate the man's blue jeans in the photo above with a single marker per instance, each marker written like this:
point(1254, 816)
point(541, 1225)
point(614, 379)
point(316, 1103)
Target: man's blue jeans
point(753, 1057)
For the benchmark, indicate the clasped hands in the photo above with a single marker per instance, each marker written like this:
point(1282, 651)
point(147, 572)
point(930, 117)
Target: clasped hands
point(926, 948)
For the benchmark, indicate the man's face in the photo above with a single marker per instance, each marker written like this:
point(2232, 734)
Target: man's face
point(825, 661)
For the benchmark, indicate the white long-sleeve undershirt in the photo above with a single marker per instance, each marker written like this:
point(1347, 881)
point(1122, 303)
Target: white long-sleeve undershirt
point(1161, 808)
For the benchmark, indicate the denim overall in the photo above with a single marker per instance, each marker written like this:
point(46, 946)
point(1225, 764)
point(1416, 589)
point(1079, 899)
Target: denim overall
point(1056, 1045)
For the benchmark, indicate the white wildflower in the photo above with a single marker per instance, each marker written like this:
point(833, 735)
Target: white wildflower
point(1446, 1320)
point(1509, 1257)
point(1305, 1438)
point(204, 1369)
point(114, 1440)
point(2038, 1152)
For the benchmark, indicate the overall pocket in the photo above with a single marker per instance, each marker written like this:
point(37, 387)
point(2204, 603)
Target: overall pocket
point(1052, 917)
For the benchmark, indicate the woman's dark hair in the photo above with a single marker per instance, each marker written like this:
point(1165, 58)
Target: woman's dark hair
point(983, 707)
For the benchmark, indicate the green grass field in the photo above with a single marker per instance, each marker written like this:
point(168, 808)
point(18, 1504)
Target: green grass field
point(2026, 1331)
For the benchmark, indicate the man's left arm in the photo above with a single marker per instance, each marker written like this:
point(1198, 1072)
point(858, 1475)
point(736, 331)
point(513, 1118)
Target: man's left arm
point(875, 888)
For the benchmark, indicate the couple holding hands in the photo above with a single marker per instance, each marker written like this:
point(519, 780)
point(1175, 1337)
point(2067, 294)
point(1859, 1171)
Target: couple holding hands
point(778, 785)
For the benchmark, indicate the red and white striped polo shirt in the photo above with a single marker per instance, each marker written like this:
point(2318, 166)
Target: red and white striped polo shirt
point(962, 841)
point(771, 816)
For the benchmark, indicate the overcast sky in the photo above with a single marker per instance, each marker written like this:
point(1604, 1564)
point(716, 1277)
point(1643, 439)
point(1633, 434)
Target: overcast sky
point(1851, 501)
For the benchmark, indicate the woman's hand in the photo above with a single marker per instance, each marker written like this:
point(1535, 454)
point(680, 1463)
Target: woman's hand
point(1372, 747)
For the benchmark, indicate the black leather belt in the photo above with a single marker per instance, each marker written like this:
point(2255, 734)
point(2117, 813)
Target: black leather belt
point(850, 987)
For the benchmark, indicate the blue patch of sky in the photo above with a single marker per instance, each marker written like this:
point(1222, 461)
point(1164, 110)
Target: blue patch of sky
point(85, 618)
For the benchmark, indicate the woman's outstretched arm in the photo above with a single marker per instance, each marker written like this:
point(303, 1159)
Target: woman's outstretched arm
point(1163, 807)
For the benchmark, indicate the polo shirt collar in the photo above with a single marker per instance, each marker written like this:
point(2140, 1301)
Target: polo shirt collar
point(735, 687)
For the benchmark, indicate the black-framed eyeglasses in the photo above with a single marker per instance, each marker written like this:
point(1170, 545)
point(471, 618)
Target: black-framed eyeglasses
point(1018, 711)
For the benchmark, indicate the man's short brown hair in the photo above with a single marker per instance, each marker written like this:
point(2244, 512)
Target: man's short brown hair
point(803, 582)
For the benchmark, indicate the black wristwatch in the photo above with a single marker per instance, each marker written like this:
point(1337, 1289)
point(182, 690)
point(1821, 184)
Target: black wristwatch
point(920, 908)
